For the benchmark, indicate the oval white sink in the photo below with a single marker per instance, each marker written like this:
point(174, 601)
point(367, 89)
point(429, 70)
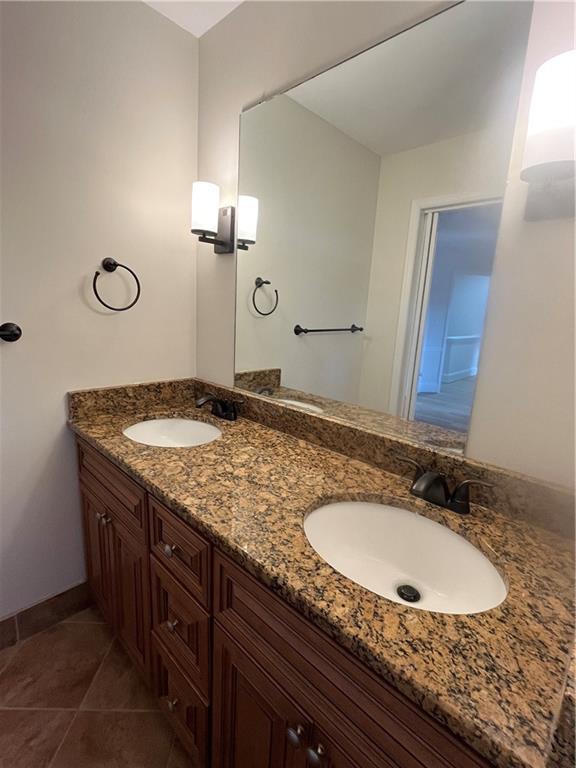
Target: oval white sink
point(299, 404)
point(172, 433)
point(385, 548)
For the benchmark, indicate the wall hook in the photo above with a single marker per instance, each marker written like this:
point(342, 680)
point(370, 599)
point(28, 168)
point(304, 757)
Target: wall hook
point(259, 282)
point(110, 265)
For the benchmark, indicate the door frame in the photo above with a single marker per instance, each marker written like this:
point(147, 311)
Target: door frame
point(418, 265)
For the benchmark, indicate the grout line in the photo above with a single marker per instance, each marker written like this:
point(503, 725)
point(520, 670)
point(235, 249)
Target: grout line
point(38, 709)
point(96, 673)
point(75, 709)
point(119, 710)
point(55, 755)
point(91, 623)
point(64, 737)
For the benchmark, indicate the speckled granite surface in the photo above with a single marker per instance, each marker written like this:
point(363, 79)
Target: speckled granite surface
point(364, 418)
point(264, 377)
point(563, 752)
point(496, 679)
point(512, 494)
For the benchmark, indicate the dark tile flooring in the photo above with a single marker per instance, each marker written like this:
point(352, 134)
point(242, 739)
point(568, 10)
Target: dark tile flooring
point(70, 698)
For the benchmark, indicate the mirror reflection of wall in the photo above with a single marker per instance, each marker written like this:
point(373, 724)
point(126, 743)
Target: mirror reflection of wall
point(380, 185)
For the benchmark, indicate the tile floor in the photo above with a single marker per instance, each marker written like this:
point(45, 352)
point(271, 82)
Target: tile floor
point(70, 698)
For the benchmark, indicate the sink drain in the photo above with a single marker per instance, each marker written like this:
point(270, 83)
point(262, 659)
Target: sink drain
point(408, 593)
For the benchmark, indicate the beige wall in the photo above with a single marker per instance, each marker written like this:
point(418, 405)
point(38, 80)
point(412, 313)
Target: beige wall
point(317, 190)
point(465, 167)
point(99, 112)
point(259, 49)
point(523, 416)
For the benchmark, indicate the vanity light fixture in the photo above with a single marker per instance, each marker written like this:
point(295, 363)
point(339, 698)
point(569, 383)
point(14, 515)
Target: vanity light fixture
point(216, 225)
point(549, 149)
point(211, 223)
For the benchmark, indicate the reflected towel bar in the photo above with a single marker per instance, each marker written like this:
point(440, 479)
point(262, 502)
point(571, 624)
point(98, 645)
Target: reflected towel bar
point(352, 329)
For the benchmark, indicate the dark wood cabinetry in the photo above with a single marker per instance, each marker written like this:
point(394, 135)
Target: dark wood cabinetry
point(255, 723)
point(181, 625)
point(244, 679)
point(118, 560)
point(185, 708)
point(98, 553)
point(132, 595)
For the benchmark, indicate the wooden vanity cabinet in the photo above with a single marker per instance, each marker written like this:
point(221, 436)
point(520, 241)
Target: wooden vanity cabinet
point(98, 550)
point(245, 680)
point(117, 556)
point(356, 718)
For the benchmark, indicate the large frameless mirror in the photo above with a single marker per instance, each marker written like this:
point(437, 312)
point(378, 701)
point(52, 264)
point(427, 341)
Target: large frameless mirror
point(380, 186)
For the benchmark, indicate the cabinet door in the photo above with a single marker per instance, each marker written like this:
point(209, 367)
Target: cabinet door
point(132, 596)
point(255, 724)
point(98, 554)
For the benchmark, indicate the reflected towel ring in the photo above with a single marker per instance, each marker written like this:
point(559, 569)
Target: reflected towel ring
point(259, 282)
point(110, 265)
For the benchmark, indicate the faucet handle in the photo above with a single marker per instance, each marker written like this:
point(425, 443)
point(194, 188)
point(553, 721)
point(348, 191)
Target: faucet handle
point(460, 497)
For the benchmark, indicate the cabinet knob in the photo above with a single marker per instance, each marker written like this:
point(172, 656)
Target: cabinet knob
point(172, 704)
point(315, 756)
point(294, 736)
point(100, 516)
point(169, 549)
point(105, 520)
point(171, 625)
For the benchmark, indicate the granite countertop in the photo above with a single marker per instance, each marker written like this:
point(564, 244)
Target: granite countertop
point(496, 679)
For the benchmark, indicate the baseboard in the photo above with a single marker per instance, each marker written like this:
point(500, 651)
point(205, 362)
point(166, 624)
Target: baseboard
point(43, 615)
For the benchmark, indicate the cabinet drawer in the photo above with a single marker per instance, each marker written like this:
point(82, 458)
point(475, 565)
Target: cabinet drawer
point(115, 489)
point(333, 682)
point(184, 553)
point(182, 704)
point(182, 625)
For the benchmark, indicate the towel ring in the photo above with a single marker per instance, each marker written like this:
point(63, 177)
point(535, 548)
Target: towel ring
point(110, 265)
point(259, 282)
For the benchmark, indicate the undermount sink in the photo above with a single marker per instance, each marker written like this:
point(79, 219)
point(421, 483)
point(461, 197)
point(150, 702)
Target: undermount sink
point(405, 557)
point(299, 404)
point(172, 433)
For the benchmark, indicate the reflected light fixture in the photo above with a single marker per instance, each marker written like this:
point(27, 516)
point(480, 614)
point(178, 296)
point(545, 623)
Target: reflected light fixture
point(247, 221)
point(549, 149)
point(216, 225)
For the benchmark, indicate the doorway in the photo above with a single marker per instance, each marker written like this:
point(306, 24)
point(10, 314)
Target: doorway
point(458, 246)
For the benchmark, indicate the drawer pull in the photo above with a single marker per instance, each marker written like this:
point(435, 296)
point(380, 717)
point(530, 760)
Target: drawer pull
point(169, 549)
point(294, 736)
point(172, 704)
point(315, 756)
point(171, 625)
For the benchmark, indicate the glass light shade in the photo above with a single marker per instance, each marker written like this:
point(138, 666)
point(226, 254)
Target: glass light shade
point(549, 149)
point(205, 207)
point(247, 218)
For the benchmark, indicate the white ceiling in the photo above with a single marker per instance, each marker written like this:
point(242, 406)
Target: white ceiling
point(196, 18)
point(451, 75)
